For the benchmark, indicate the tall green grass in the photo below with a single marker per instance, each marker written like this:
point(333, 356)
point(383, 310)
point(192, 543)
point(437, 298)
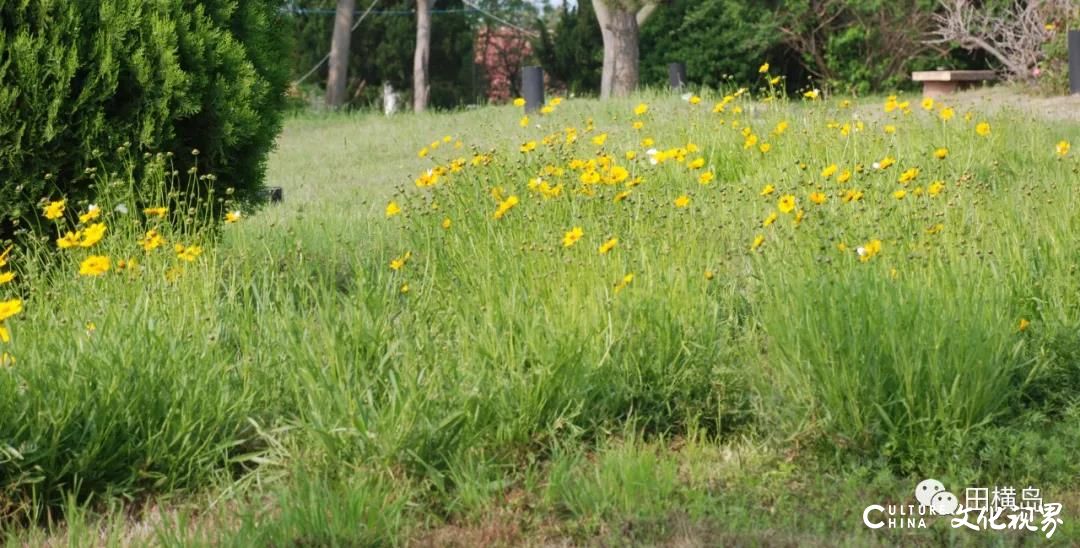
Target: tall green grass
point(287, 362)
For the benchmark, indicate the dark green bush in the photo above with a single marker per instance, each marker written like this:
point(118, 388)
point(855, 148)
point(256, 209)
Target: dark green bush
point(165, 75)
point(572, 50)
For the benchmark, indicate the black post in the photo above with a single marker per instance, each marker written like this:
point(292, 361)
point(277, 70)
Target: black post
point(532, 86)
point(1074, 61)
point(676, 73)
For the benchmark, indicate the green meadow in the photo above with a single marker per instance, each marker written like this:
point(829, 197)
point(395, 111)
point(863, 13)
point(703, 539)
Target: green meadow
point(643, 321)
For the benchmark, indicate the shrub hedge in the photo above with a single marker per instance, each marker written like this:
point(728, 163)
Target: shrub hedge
point(85, 76)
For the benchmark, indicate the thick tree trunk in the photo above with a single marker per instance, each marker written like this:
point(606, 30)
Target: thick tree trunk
point(420, 58)
point(619, 29)
point(339, 54)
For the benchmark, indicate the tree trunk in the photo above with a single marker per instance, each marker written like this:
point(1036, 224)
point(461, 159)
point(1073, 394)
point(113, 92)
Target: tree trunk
point(619, 29)
point(339, 54)
point(420, 58)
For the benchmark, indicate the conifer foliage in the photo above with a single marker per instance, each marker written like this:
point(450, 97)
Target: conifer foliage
point(79, 79)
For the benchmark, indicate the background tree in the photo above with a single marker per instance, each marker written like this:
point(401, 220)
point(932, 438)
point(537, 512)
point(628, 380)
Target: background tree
point(339, 53)
point(619, 22)
point(715, 54)
point(420, 57)
point(571, 51)
point(861, 45)
point(383, 50)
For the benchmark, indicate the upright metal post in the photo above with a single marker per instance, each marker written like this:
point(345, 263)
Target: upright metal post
point(532, 86)
point(1074, 61)
point(676, 75)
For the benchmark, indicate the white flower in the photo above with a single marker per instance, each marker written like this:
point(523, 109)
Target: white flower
point(686, 97)
point(860, 250)
point(91, 208)
point(876, 165)
point(121, 209)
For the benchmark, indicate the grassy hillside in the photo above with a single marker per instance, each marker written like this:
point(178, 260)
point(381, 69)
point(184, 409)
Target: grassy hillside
point(648, 321)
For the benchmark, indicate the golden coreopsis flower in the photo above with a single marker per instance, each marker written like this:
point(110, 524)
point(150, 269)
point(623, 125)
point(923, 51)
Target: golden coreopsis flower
point(94, 265)
point(54, 210)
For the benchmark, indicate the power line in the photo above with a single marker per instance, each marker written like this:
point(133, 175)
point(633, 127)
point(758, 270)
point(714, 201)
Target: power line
point(499, 19)
point(294, 10)
point(327, 56)
point(291, 10)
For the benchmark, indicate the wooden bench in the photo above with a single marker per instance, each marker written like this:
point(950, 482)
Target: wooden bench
point(941, 82)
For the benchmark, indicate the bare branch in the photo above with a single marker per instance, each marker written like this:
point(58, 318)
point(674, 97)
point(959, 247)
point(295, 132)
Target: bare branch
point(1013, 36)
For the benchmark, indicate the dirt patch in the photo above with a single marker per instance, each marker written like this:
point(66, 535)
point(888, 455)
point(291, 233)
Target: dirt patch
point(1064, 108)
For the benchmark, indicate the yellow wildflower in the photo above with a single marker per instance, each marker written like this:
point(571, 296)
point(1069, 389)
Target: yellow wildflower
point(786, 204)
point(608, 246)
point(868, 250)
point(758, 240)
point(908, 176)
point(151, 241)
point(852, 196)
point(392, 209)
point(505, 206)
point(399, 262)
point(187, 252)
point(625, 281)
point(54, 210)
point(682, 201)
point(94, 265)
point(10, 308)
point(92, 212)
point(92, 235)
point(572, 236)
point(69, 240)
